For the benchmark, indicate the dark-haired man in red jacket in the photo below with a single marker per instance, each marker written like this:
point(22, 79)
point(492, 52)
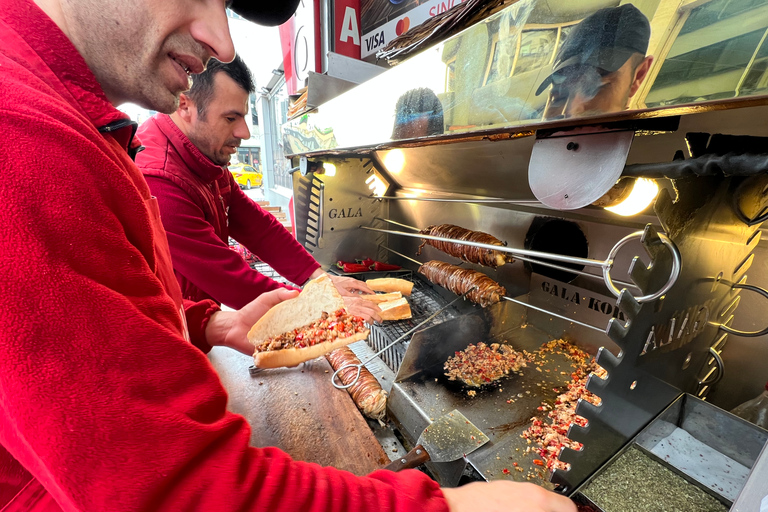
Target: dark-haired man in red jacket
point(184, 161)
point(104, 402)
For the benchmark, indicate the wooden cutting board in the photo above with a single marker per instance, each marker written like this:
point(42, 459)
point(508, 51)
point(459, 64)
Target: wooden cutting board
point(299, 411)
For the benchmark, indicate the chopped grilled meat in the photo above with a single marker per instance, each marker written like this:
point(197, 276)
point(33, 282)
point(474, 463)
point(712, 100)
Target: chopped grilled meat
point(487, 257)
point(481, 364)
point(459, 280)
point(328, 328)
point(552, 436)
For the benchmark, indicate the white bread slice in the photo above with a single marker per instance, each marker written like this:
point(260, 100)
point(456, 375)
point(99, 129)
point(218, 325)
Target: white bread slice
point(378, 298)
point(318, 296)
point(397, 309)
point(390, 284)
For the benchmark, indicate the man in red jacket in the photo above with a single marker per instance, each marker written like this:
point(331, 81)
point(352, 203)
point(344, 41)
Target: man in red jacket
point(104, 402)
point(185, 161)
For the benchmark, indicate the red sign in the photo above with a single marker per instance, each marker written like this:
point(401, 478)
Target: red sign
point(347, 27)
point(298, 39)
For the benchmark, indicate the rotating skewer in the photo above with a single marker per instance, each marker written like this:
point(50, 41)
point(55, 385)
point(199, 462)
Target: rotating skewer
point(521, 258)
point(510, 299)
point(606, 265)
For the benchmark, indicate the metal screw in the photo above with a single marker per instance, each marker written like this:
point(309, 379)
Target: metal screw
point(572, 146)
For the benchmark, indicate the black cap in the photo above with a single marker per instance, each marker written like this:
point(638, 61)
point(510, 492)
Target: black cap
point(265, 12)
point(604, 40)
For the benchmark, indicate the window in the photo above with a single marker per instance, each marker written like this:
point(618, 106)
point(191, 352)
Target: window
point(536, 49)
point(720, 52)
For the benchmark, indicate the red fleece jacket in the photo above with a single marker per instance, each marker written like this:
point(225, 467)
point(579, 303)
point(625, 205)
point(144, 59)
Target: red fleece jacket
point(103, 404)
point(201, 206)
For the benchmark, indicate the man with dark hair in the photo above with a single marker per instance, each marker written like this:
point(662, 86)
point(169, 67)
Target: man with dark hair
point(601, 64)
point(185, 164)
point(107, 400)
point(418, 113)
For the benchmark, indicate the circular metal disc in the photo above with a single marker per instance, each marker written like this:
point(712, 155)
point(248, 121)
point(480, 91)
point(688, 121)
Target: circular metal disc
point(567, 173)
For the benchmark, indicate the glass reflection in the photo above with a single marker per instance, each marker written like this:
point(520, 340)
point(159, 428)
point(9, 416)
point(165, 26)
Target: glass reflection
point(601, 65)
point(418, 113)
point(539, 60)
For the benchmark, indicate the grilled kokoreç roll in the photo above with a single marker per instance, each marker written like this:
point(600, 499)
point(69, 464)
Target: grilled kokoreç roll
point(459, 280)
point(487, 257)
point(366, 392)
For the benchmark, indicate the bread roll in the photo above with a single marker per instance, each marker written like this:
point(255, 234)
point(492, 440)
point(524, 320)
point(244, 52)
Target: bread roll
point(378, 298)
point(318, 296)
point(397, 309)
point(390, 284)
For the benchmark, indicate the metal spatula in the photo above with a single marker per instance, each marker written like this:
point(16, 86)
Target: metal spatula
point(448, 438)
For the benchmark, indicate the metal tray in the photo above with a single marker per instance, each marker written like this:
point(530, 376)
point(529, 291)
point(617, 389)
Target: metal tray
point(709, 448)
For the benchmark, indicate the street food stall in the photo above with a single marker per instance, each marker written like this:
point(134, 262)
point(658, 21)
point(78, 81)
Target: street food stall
point(623, 249)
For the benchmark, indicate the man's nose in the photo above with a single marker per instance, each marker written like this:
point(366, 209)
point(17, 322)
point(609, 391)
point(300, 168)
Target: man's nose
point(211, 29)
point(241, 130)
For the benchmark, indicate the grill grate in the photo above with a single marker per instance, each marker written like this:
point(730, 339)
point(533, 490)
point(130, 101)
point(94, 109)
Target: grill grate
point(269, 272)
point(424, 301)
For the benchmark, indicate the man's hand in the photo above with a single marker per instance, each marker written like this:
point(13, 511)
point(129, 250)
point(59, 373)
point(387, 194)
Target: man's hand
point(505, 496)
point(358, 306)
point(230, 328)
point(350, 286)
point(347, 286)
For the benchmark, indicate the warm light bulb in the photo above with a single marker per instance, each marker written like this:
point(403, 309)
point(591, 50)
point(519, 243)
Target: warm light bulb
point(377, 187)
point(330, 169)
point(395, 161)
point(643, 193)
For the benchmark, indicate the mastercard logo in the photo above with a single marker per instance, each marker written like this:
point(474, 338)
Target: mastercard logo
point(402, 26)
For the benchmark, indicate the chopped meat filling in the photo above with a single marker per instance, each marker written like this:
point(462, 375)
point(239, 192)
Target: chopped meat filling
point(481, 364)
point(328, 328)
point(550, 437)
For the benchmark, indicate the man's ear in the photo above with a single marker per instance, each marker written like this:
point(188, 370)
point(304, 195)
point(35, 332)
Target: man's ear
point(640, 73)
point(186, 108)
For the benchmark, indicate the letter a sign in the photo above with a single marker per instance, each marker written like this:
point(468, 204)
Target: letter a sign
point(347, 25)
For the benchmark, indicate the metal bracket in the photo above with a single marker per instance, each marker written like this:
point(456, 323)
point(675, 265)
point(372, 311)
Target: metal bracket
point(736, 332)
point(720, 365)
point(677, 265)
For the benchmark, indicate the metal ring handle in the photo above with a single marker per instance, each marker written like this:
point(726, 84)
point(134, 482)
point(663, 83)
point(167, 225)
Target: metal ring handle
point(736, 332)
point(677, 265)
point(341, 385)
point(720, 369)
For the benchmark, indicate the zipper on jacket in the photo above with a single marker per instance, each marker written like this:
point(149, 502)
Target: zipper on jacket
point(119, 125)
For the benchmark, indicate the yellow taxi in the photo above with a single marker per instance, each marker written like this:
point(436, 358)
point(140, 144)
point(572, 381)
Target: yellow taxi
point(246, 175)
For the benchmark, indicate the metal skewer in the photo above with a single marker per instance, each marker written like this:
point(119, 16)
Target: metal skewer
point(512, 250)
point(490, 200)
point(606, 264)
point(374, 356)
point(515, 300)
point(561, 317)
point(521, 258)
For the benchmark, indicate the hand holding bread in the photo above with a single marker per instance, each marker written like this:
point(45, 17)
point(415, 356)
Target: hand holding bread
point(305, 327)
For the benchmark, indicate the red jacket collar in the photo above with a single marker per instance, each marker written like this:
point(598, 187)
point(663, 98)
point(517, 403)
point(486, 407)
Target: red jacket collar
point(193, 158)
point(40, 41)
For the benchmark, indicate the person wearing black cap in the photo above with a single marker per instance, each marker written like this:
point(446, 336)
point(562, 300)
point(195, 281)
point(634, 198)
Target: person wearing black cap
point(601, 64)
point(107, 400)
